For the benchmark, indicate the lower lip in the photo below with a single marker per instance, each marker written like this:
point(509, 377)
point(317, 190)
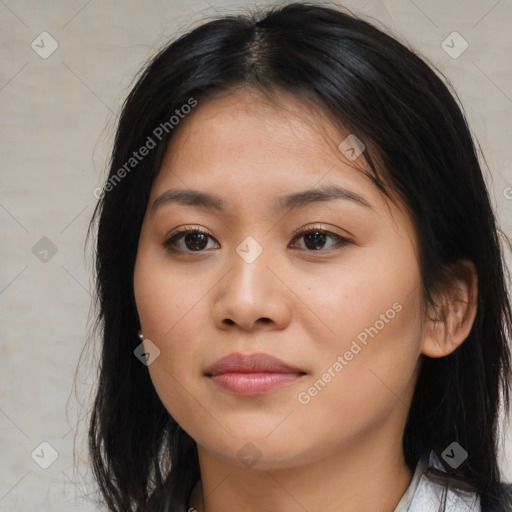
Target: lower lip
point(253, 383)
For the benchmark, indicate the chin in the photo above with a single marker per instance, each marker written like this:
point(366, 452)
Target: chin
point(263, 452)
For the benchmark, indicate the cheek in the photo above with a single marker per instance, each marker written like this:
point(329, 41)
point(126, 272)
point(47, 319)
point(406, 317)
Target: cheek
point(167, 306)
point(366, 365)
point(372, 299)
point(163, 296)
point(368, 370)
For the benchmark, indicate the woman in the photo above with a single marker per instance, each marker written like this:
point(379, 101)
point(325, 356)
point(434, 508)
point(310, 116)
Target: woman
point(301, 287)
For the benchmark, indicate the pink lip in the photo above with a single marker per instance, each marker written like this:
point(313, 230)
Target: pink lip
point(251, 374)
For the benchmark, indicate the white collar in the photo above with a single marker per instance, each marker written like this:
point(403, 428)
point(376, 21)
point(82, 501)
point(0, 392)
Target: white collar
point(423, 495)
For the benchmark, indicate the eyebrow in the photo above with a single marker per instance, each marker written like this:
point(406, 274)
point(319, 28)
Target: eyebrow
point(288, 202)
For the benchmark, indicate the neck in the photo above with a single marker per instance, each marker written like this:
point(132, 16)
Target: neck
point(369, 474)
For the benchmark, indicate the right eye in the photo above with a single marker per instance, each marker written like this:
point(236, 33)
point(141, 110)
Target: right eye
point(190, 239)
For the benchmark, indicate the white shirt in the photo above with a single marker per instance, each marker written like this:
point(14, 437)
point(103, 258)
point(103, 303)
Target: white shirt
point(423, 495)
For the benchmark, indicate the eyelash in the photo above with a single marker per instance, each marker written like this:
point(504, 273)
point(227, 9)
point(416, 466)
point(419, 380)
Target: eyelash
point(170, 243)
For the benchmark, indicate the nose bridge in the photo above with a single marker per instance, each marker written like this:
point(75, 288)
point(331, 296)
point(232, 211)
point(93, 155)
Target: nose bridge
point(250, 273)
point(250, 290)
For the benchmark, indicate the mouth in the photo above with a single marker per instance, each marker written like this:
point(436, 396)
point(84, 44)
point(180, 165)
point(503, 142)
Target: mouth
point(252, 374)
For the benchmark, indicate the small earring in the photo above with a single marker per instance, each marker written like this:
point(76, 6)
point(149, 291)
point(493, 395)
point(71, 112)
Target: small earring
point(141, 336)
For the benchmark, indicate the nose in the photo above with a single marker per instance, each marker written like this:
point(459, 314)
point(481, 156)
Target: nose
point(253, 295)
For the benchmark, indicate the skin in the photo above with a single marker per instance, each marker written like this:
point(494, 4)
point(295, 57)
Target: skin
point(342, 450)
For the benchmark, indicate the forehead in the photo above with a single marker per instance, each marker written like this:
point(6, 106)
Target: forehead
point(281, 114)
point(246, 135)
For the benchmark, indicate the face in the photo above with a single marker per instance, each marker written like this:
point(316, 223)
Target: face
point(330, 287)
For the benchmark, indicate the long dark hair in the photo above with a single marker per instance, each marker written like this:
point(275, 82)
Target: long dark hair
point(418, 145)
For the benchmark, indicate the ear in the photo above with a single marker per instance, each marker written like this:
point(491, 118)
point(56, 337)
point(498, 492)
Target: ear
point(451, 319)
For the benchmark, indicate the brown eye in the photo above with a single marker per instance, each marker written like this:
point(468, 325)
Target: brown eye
point(188, 240)
point(318, 239)
point(195, 241)
point(315, 240)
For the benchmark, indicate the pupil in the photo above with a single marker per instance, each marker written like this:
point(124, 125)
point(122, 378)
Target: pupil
point(198, 241)
point(315, 238)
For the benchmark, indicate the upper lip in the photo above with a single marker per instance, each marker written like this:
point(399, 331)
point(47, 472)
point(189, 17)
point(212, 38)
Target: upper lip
point(259, 362)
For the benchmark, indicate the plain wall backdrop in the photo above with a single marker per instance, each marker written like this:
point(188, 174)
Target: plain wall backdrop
point(66, 67)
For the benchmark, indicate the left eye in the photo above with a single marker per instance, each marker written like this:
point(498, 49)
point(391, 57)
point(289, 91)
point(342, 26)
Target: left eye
point(315, 239)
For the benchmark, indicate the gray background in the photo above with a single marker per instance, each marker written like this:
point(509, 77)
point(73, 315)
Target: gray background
point(57, 122)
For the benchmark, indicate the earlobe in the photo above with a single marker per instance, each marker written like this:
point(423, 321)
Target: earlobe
point(450, 321)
